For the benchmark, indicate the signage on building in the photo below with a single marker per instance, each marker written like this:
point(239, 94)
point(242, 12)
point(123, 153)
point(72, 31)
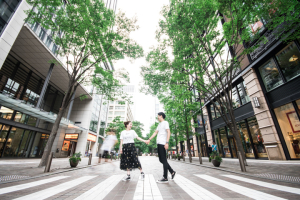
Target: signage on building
point(71, 136)
point(92, 137)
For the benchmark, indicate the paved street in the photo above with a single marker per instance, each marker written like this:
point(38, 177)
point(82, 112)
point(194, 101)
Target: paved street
point(105, 182)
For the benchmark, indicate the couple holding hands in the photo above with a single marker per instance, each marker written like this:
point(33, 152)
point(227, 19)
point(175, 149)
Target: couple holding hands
point(129, 157)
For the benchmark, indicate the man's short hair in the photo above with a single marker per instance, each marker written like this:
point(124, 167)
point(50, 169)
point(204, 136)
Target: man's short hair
point(162, 114)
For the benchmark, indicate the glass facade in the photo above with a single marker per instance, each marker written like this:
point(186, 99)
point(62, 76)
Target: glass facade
point(288, 60)
point(17, 81)
point(103, 117)
point(288, 119)
point(250, 136)
point(283, 67)
point(95, 113)
point(239, 97)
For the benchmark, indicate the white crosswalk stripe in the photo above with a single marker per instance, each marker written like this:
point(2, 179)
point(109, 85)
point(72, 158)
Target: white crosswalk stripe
point(266, 184)
point(44, 194)
point(194, 190)
point(151, 190)
point(29, 185)
point(147, 189)
point(102, 189)
point(139, 190)
point(254, 194)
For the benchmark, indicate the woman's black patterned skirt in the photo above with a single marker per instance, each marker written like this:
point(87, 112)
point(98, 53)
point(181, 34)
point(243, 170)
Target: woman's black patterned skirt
point(129, 158)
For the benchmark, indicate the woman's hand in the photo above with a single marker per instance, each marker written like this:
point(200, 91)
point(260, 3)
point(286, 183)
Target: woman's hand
point(121, 151)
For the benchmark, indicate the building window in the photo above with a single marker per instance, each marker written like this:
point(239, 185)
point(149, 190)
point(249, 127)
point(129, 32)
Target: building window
point(225, 145)
point(6, 113)
point(120, 107)
point(270, 75)
point(119, 113)
point(288, 59)
point(289, 123)
point(212, 111)
point(243, 92)
point(7, 9)
point(111, 107)
point(235, 99)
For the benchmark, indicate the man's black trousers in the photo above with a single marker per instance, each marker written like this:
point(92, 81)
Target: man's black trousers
point(163, 159)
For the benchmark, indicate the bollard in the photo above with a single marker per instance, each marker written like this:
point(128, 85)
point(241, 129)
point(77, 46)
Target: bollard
point(99, 160)
point(49, 161)
point(90, 159)
point(242, 163)
point(200, 158)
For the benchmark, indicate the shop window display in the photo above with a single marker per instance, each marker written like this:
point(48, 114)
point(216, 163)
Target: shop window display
point(3, 135)
point(270, 75)
point(257, 138)
point(288, 59)
point(6, 113)
point(290, 127)
point(224, 140)
point(246, 142)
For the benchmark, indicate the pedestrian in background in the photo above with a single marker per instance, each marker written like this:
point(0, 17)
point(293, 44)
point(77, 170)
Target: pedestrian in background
point(107, 145)
point(209, 149)
point(214, 147)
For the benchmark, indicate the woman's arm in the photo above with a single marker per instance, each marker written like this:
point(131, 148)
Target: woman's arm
point(140, 139)
point(121, 144)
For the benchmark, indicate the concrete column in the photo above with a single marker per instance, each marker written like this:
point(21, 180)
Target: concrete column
point(47, 80)
point(71, 105)
point(264, 119)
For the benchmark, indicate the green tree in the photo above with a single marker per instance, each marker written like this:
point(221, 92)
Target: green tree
point(210, 54)
point(88, 34)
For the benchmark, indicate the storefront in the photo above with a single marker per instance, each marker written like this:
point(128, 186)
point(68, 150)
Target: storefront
point(279, 77)
point(69, 144)
point(16, 141)
point(250, 136)
point(90, 143)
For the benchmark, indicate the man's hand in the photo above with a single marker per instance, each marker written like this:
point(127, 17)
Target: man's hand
point(166, 146)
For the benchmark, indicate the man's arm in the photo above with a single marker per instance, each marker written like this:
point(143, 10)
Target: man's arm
point(168, 138)
point(153, 135)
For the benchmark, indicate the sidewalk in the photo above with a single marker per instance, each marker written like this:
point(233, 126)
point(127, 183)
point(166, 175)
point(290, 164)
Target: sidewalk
point(279, 170)
point(11, 169)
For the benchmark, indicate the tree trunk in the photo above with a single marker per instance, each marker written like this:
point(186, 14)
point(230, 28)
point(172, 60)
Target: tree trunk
point(238, 142)
point(52, 136)
point(188, 141)
point(55, 127)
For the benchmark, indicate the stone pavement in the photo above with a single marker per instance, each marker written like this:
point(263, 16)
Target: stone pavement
point(191, 182)
point(15, 168)
point(279, 170)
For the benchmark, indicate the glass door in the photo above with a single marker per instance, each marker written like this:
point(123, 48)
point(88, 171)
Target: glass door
point(225, 144)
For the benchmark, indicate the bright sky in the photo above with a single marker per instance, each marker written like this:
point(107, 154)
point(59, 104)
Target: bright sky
point(148, 14)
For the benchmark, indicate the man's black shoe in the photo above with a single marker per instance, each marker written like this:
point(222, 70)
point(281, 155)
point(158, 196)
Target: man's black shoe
point(163, 180)
point(173, 175)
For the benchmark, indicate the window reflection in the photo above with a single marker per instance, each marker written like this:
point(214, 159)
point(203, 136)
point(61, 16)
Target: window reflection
point(270, 75)
point(288, 59)
point(235, 99)
point(212, 111)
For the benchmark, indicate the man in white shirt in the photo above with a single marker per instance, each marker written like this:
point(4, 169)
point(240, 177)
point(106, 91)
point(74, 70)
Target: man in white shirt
point(163, 136)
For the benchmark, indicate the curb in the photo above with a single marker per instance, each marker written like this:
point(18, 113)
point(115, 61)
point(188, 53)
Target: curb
point(53, 173)
point(240, 173)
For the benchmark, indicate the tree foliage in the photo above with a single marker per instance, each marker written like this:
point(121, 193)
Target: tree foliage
point(206, 40)
point(88, 35)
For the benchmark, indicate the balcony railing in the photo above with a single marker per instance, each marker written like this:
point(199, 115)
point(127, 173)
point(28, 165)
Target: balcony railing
point(45, 36)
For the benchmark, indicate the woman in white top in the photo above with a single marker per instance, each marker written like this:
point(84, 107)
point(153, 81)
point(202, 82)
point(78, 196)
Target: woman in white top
point(129, 158)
